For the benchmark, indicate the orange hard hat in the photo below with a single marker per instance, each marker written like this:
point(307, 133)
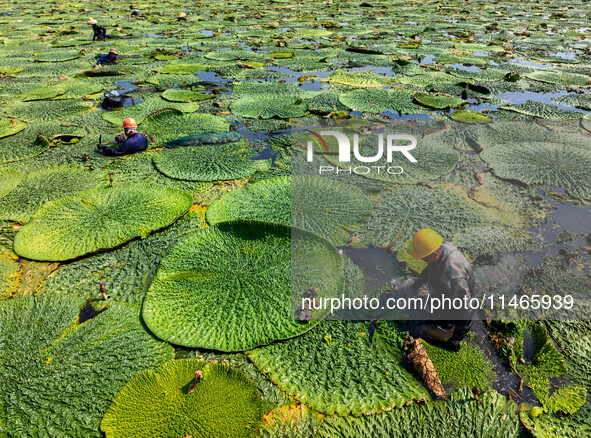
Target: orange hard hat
point(129, 123)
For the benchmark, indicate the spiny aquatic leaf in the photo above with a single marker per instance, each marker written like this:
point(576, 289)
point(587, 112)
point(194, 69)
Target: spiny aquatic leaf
point(45, 185)
point(58, 56)
point(42, 93)
point(211, 288)
point(170, 125)
point(9, 274)
point(10, 127)
point(46, 110)
point(251, 89)
point(180, 68)
point(344, 376)
point(325, 207)
point(582, 101)
point(407, 209)
point(56, 367)
point(291, 421)
point(98, 219)
point(9, 179)
point(126, 272)
point(461, 417)
point(269, 106)
point(185, 95)
point(468, 116)
point(366, 79)
point(208, 163)
point(224, 403)
point(380, 100)
point(562, 78)
point(542, 110)
point(438, 100)
point(556, 164)
point(144, 109)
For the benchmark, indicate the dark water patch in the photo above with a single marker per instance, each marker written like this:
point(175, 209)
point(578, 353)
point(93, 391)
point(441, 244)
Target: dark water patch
point(377, 264)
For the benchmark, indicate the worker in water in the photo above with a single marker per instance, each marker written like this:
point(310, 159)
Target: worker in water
point(100, 32)
point(181, 16)
point(109, 58)
point(448, 274)
point(134, 143)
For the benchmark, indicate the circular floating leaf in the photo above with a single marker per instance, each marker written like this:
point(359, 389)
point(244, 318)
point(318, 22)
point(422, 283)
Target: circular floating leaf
point(323, 206)
point(269, 106)
point(283, 54)
point(10, 127)
point(98, 219)
point(46, 110)
point(185, 95)
point(334, 369)
point(407, 209)
point(9, 179)
point(181, 69)
point(56, 367)
point(554, 164)
point(149, 106)
point(43, 93)
point(542, 110)
point(562, 78)
point(208, 163)
point(380, 100)
point(438, 100)
point(229, 288)
point(460, 416)
point(224, 403)
point(168, 125)
point(44, 185)
point(367, 79)
point(468, 116)
point(58, 56)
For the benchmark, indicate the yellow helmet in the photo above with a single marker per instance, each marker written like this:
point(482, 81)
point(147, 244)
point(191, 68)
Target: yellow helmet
point(425, 242)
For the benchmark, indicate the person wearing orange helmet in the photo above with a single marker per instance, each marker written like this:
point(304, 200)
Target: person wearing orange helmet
point(448, 274)
point(133, 143)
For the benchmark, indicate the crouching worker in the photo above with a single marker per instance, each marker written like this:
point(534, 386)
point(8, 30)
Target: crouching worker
point(134, 143)
point(109, 58)
point(99, 32)
point(448, 274)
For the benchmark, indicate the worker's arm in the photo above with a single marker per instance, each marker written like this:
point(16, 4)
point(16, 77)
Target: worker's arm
point(121, 150)
point(101, 59)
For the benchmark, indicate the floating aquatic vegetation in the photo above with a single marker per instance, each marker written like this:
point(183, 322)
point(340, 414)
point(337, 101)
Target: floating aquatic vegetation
point(58, 55)
point(185, 95)
point(42, 93)
point(437, 100)
point(542, 110)
point(9, 275)
point(46, 110)
point(198, 399)
point(180, 68)
point(380, 100)
point(462, 416)
point(291, 421)
point(171, 124)
point(10, 127)
point(142, 110)
point(55, 366)
point(366, 79)
point(9, 179)
point(252, 89)
point(468, 116)
point(45, 185)
point(212, 285)
point(562, 78)
point(334, 369)
point(209, 163)
point(269, 106)
point(534, 162)
point(67, 228)
point(581, 101)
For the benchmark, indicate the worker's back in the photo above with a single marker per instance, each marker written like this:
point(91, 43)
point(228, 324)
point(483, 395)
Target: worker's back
point(452, 266)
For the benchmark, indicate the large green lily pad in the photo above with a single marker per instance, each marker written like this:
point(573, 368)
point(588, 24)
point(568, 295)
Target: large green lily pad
point(380, 100)
point(45, 185)
point(225, 403)
point(334, 369)
point(59, 372)
point(460, 416)
point(208, 163)
point(229, 288)
point(9, 179)
point(556, 164)
point(140, 111)
point(366, 79)
point(67, 228)
point(10, 127)
point(266, 106)
point(46, 110)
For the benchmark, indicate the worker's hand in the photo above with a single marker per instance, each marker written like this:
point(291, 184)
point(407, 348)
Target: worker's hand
point(119, 139)
point(101, 147)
